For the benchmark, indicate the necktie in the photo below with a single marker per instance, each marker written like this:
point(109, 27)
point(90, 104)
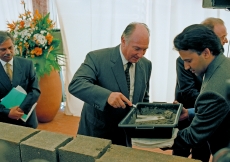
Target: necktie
point(9, 71)
point(127, 75)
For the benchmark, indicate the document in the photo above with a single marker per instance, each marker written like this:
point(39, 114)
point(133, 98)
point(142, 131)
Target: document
point(25, 117)
point(14, 98)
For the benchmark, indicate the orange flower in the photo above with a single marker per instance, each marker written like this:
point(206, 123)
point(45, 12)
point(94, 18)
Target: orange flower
point(22, 23)
point(52, 25)
point(37, 51)
point(33, 24)
point(22, 2)
point(26, 45)
point(11, 26)
point(37, 15)
point(49, 38)
point(28, 13)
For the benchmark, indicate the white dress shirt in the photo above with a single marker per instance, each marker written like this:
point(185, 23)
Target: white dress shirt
point(4, 64)
point(131, 73)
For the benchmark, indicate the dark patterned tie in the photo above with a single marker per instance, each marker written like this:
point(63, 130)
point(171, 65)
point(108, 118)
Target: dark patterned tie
point(127, 75)
point(9, 71)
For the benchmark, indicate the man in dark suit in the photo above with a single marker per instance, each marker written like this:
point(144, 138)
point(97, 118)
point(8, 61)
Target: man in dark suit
point(23, 74)
point(202, 53)
point(188, 88)
point(101, 83)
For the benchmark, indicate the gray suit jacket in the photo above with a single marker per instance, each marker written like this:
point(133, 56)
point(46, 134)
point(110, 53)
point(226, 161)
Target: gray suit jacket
point(23, 75)
point(101, 74)
point(212, 118)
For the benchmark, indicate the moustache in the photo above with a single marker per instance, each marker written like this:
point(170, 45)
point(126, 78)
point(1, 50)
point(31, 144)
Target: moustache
point(7, 55)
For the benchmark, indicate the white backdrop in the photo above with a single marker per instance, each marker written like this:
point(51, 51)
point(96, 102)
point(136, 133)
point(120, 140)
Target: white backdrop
point(10, 10)
point(93, 24)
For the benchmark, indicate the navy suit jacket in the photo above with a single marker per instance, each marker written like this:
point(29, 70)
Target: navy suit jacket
point(101, 74)
point(25, 76)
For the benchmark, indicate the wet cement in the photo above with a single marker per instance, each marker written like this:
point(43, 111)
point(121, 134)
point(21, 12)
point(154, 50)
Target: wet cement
point(155, 116)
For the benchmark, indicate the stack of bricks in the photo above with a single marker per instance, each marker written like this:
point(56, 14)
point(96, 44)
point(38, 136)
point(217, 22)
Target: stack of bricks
point(22, 144)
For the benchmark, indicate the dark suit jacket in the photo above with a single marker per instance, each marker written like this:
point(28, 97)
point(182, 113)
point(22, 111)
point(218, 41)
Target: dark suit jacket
point(212, 118)
point(187, 89)
point(187, 86)
point(101, 74)
point(23, 75)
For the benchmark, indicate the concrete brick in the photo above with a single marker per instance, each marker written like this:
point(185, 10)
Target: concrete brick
point(10, 138)
point(83, 149)
point(43, 146)
point(125, 154)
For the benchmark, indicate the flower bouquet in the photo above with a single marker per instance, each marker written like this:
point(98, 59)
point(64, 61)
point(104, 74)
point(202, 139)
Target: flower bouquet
point(34, 40)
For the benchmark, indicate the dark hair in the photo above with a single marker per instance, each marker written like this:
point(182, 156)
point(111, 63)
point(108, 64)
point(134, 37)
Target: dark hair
point(4, 36)
point(131, 27)
point(196, 38)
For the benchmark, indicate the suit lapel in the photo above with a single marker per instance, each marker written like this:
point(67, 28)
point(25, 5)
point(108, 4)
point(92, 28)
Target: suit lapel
point(211, 69)
point(118, 71)
point(4, 81)
point(17, 72)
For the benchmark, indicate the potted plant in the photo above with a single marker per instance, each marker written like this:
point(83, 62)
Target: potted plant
point(34, 40)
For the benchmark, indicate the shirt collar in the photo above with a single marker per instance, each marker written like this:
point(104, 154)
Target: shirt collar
point(124, 61)
point(3, 62)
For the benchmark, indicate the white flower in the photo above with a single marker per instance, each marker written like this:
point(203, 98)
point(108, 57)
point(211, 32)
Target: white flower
point(41, 39)
point(43, 31)
point(24, 33)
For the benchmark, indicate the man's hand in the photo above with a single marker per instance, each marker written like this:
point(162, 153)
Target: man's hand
point(184, 114)
point(117, 100)
point(15, 113)
point(175, 102)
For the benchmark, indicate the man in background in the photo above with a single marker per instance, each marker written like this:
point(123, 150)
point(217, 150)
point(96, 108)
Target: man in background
point(109, 81)
point(202, 53)
point(16, 71)
point(188, 88)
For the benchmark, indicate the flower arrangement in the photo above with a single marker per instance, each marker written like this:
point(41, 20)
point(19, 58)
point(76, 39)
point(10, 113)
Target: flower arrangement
point(34, 40)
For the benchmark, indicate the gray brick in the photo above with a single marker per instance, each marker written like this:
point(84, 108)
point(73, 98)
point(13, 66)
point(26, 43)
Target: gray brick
point(125, 154)
point(83, 149)
point(43, 146)
point(10, 138)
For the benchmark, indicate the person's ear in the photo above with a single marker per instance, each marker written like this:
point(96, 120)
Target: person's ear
point(123, 41)
point(207, 53)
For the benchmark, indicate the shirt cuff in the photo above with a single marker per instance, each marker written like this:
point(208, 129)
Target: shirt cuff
point(191, 113)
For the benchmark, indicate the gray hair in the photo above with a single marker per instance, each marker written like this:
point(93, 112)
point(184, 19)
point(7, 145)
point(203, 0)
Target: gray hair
point(131, 27)
point(4, 35)
point(211, 22)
